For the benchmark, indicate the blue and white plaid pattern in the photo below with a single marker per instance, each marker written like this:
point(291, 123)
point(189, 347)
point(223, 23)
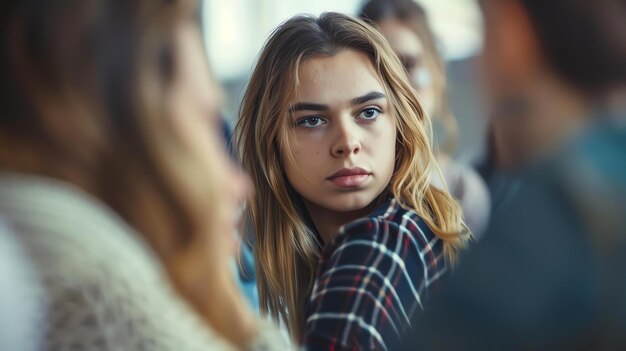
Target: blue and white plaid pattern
point(372, 279)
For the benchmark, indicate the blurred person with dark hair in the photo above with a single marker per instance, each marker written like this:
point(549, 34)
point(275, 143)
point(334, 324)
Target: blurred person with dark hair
point(551, 272)
point(405, 25)
point(115, 179)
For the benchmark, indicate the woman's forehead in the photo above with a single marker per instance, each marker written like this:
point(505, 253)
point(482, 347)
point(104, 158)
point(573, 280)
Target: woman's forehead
point(340, 77)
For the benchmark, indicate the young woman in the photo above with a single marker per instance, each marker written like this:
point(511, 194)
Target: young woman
point(332, 133)
point(405, 26)
point(111, 168)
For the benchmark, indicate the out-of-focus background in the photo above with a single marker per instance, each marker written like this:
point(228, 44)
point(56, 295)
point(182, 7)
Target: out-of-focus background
point(235, 31)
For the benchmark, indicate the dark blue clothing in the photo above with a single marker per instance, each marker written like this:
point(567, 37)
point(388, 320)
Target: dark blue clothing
point(551, 272)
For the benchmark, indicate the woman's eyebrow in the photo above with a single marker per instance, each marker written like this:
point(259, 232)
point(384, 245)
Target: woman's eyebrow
point(374, 95)
point(309, 106)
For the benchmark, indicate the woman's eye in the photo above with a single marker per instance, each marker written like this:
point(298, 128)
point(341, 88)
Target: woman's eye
point(369, 113)
point(311, 122)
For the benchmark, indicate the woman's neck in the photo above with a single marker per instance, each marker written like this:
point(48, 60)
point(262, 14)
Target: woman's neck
point(327, 222)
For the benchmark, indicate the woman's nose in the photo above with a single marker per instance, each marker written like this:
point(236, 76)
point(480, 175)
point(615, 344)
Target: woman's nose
point(347, 142)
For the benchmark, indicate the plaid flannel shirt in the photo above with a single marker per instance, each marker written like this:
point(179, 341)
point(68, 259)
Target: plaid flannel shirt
point(372, 279)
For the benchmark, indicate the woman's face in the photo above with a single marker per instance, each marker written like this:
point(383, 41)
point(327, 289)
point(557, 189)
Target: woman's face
point(195, 102)
point(410, 50)
point(342, 133)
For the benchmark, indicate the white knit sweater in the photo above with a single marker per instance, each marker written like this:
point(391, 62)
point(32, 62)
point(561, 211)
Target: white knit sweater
point(102, 288)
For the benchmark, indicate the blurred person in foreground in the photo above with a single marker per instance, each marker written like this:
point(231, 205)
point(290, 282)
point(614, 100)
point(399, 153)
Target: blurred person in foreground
point(551, 272)
point(20, 311)
point(115, 179)
point(405, 25)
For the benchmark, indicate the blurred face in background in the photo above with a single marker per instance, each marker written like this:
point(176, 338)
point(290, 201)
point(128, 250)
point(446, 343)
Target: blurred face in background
point(220, 187)
point(507, 58)
point(418, 64)
point(195, 103)
point(533, 111)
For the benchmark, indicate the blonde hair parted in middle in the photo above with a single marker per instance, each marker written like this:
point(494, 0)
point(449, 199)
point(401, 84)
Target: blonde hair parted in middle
point(286, 246)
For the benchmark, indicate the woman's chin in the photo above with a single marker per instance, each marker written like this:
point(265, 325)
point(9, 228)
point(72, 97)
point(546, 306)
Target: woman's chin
point(352, 204)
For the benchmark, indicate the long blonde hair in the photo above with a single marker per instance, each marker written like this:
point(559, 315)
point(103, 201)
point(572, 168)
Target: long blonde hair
point(286, 248)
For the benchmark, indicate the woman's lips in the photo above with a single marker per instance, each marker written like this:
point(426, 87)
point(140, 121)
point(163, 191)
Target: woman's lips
point(350, 181)
point(349, 177)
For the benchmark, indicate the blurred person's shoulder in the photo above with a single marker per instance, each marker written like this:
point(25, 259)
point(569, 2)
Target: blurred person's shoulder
point(596, 167)
point(554, 254)
point(22, 310)
point(549, 271)
point(577, 194)
point(600, 154)
point(591, 163)
point(102, 285)
point(68, 229)
point(584, 183)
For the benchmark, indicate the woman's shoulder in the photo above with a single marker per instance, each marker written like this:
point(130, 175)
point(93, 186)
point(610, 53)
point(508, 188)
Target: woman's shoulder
point(377, 271)
point(390, 218)
point(394, 232)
